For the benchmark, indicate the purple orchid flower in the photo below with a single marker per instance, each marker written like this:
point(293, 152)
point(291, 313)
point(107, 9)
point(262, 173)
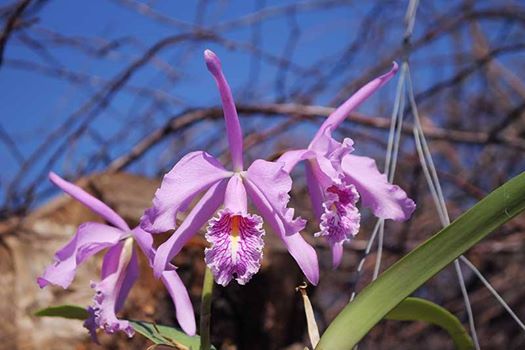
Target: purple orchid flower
point(337, 179)
point(119, 268)
point(236, 236)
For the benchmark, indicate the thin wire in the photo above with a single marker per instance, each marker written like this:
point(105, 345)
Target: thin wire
point(363, 259)
point(425, 158)
point(394, 138)
point(379, 253)
point(492, 290)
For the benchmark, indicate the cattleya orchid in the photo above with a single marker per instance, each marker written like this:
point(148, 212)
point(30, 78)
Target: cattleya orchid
point(235, 235)
point(119, 268)
point(337, 179)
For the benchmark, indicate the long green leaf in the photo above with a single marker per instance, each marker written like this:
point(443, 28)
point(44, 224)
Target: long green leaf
point(65, 311)
point(416, 309)
point(418, 266)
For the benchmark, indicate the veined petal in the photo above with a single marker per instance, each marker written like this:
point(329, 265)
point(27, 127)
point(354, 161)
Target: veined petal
point(194, 173)
point(274, 183)
point(91, 237)
point(233, 127)
point(236, 246)
point(291, 158)
point(110, 293)
point(89, 201)
point(181, 300)
point(300, 250)
point(386, 201)
point(199, 215)
point(340, 114)
point(340, 220)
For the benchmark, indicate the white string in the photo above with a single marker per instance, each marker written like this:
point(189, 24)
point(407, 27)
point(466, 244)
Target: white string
point(431, 177)
point(394, 138)
point(492, 290)
point(430, 173)
point(363, 259)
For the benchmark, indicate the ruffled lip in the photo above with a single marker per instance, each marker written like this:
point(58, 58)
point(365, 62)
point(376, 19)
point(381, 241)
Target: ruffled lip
point(236, 246)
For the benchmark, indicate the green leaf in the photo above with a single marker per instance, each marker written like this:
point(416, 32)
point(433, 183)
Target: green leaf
point(418, 266)
point(161, 335)
point(416, 309)
point(164, 335)
point(73, 312)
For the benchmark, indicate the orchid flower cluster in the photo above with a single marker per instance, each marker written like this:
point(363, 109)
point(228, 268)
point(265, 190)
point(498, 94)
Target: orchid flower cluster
point(337, 180)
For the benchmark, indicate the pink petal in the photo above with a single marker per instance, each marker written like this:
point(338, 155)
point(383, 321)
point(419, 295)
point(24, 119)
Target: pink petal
point(181, 300)
point(145, 242)
point(342, 112)
point(194, 173)
point(110, 294)
point(274, 183)
point(330, 148)
point(89, 201)
point(291, 158)
point(236, 246)
point(172, 282)
point(329, 154)
point(341, 220)
point(386, 201)
point(300, 250)
point(131, 276)
point(235, 197)
point(314, 189)
point(91, 237)
point(337, 254)
point(199, 215)
point(233, 127)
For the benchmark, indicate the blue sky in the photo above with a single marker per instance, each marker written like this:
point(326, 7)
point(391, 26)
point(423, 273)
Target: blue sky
point(33, 104)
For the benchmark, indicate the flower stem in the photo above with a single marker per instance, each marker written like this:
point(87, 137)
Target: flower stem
point(207, 290)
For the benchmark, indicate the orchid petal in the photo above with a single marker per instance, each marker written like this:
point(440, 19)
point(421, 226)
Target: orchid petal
point(91, 237)
point(145, 242)
point(236, 238)
point(330, 153)
point(111, 292)
point(181, 300)
point(172, 282)
point(291, 158)
point(386, 201)
point(111, 260)
point(300, 250)
point(314, 188)
point(340, 114)
point(329, 147)
point(233, 127)
point(194, 173)
point(132, 273)
point(201, 213)
point(341, 219)
point(337, 254)
point(236, 246)
point(89, 201)
point(274, 183)
point(235, 197)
